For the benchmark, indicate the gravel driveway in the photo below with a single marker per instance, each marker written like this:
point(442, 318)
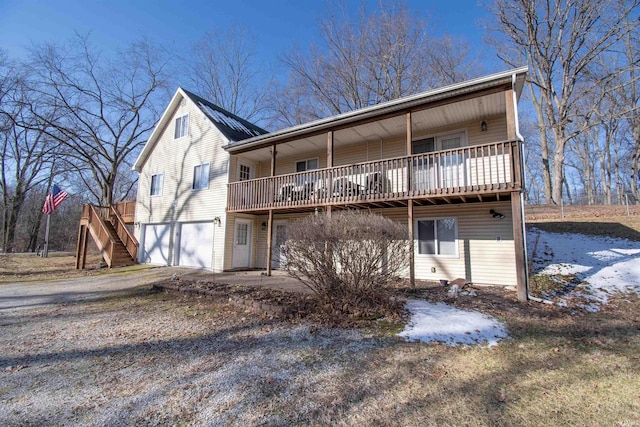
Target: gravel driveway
point(108, 350)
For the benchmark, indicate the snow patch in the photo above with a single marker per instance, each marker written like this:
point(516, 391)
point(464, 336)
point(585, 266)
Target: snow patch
point(450, 325)
point(220, 117)
point(603, 265)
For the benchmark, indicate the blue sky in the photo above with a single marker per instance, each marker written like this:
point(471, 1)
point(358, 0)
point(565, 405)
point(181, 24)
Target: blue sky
point(276, 24)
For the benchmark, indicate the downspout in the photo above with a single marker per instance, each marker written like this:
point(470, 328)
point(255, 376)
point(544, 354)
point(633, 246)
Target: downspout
point(523, 179)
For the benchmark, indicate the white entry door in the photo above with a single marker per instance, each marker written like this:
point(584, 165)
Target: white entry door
point(156, 244)
point(242, 243)
point(277, 243)
point(196, 244)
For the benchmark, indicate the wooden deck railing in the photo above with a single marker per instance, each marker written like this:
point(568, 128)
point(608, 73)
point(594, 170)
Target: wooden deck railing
point(464, 171)
point(127, 210)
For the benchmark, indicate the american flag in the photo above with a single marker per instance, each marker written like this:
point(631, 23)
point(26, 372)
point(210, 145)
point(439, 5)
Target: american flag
point(53, 199)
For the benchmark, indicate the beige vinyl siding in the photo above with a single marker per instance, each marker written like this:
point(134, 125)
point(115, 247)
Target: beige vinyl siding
point(176, 159)
point(496, 131)
point(286, 165)
point(486, 252)
point(482, 258)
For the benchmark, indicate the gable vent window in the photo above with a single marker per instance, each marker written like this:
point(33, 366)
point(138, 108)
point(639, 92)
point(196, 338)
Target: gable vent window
point(201, 176)
point(182, 126)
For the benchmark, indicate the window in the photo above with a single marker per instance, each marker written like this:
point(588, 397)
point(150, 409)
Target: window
point(440, 142)
point(244, 172)
point(242, 234)
point(438, 236)
point(182, 126)
point(201, 176)
point(426, 145)
point(306, 165)
point(156, 184)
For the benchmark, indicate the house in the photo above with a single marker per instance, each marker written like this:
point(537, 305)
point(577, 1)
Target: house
point(217, 192)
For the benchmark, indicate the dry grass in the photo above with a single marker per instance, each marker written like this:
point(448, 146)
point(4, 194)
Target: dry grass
point(28, 267)
point(145, 358)
point(609, 221)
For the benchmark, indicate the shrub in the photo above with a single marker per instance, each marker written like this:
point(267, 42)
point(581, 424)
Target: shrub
point(347, 259)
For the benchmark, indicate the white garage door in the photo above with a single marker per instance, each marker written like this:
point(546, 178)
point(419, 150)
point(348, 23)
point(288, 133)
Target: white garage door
point(156, 244)
point(196, 244)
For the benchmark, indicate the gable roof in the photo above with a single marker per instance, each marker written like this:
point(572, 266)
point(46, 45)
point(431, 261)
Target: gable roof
point(232, 127)
point(511, 78)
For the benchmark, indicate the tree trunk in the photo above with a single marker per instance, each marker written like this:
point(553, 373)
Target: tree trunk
point(11, 222)
point(635, 164)
point(558, 168)
point(544, 145)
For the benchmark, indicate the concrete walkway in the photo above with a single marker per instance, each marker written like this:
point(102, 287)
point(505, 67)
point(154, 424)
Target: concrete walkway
point(26, 294)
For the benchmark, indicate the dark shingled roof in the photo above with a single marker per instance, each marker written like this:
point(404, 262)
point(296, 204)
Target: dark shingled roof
point(233, 127)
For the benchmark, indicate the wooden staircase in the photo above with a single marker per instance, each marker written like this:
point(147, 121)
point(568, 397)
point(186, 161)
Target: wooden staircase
point(107, 225)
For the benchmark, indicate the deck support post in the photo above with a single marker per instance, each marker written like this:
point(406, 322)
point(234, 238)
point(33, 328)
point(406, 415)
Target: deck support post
point(412, 265)
point(518, 242)
point(269, 241)
point(81, 247)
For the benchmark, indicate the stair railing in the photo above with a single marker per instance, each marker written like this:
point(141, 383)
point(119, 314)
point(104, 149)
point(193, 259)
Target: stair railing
point(100, 233)
point(130, 242)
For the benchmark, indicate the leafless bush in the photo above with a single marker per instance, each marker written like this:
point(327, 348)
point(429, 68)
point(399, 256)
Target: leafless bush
point(347, 259)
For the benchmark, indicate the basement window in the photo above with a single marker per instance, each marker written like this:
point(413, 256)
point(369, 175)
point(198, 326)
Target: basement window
point(438, 236)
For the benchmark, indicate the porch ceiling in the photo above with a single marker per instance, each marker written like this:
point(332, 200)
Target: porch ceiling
point(393, 127)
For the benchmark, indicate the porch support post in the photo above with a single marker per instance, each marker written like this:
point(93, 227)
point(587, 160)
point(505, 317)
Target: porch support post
point(412, 267)
point(518, 242)
point(270, 221)
point(409, 134)
point(329, 165)
point(409, 150)
point(269, 241)
point(511, 114)
point(273, 160)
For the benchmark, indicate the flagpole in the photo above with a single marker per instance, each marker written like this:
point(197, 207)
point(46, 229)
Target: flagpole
point(45, 252)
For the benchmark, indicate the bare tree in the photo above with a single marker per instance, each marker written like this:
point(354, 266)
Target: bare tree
point(560, 40)
point(223, 68)
point(380, 57)
point(25, 156)
point(106, 107)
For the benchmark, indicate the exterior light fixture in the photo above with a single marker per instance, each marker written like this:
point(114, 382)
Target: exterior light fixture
point(496, 214)
point(483, 126)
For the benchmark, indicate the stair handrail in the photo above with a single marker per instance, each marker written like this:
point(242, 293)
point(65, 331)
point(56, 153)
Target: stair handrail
point(101, 234)
point(129, 241)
